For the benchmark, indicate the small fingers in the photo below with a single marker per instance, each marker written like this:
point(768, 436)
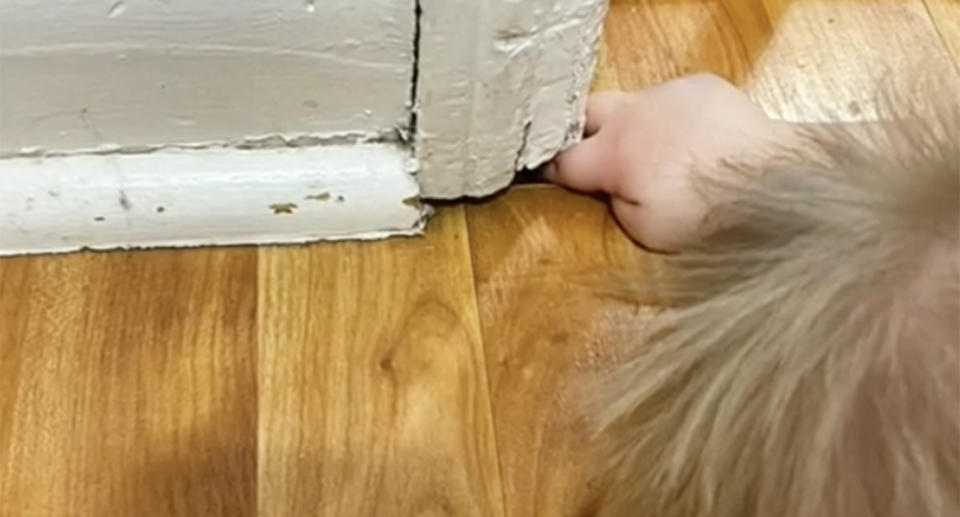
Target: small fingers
point(587, 167)
point(601, 109)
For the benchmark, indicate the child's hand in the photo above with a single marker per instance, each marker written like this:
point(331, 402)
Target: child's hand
point(641, 149)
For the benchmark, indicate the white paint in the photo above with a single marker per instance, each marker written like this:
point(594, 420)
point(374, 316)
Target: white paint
point(502, 87)
point(142, 104)
point(204, 197)
point(89, 74)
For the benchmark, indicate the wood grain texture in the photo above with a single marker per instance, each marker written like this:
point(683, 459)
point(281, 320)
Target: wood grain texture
point(434, 376)
point(832, 60)
point(374, 398)
point(127, 384)
point(651, 41)
point(543, 258)
point(946, 17)
point(802, 60)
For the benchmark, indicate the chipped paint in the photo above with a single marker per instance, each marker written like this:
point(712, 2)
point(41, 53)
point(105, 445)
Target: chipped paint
point(323, 196)
point(505, 94)
point(283, 208)
point(413, 201)
point(472, 90)
point(243, 144)
point(124, 201)
point(198, 198)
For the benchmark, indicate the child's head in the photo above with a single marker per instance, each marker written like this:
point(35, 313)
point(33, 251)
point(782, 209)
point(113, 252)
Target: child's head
point(810, 363)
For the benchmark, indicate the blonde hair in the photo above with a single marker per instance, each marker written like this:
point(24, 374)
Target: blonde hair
point(808, 364)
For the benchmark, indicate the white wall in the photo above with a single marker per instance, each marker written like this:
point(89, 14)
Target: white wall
point(503, 87)
point(82, 74)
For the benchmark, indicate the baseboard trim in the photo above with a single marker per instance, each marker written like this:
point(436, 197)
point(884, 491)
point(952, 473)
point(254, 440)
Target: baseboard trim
point(208, 197)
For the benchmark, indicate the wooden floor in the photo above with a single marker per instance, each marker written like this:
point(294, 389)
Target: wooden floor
point(433, 376)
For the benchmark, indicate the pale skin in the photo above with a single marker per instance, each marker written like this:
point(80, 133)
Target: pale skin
point(641, 148)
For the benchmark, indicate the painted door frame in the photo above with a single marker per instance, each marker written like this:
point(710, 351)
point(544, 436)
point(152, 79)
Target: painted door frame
point(499, 86)
point(502, 87)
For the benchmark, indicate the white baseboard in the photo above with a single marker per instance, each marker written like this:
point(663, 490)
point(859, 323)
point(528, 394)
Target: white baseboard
point(207, 197)
point(222, 122)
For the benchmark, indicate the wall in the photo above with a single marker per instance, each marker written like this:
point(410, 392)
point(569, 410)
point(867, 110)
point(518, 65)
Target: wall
point(503, 87)
point(82, 74)
point(145, 123)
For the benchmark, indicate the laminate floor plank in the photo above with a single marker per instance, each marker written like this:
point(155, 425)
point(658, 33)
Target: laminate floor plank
point(373, 391)
point(128, 384)
point(544, 261)
point(833, 60)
